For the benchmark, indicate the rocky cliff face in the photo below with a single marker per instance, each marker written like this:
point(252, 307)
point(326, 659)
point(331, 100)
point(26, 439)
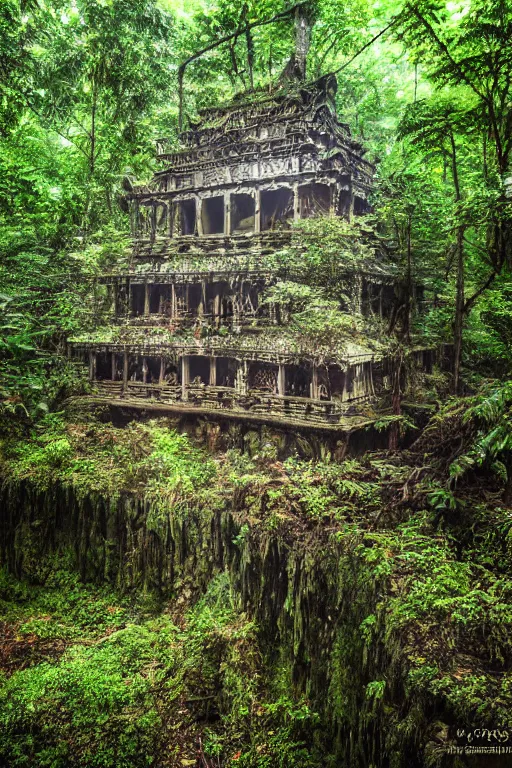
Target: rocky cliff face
point(393, 634)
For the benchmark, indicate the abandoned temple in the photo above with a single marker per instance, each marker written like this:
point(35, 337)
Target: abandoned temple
point(189, 327)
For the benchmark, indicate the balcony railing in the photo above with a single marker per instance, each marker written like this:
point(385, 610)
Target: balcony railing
point(255, 403)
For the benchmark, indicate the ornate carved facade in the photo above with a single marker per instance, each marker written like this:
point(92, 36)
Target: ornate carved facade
point(190, 331)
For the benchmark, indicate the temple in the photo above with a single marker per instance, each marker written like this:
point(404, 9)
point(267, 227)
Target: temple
point(190, 327)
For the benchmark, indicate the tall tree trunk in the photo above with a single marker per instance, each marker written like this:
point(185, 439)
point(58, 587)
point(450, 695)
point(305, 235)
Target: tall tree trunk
point(396, 402)
point(302, 40)
point(458, 323)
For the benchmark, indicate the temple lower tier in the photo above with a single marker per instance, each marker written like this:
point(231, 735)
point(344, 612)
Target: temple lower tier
point(323, 394)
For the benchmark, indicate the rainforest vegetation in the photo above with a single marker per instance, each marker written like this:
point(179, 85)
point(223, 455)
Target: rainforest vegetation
point(173, 596)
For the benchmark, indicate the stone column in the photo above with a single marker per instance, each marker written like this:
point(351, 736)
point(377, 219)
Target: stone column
point(92, 365)
point(213, 371)
point(296, 201)
point(227, 214)
point(313, 387)
point(113, 361)
point(125, 371)
point(144, 370)
point(199, 216)
point(146, 299)
point(173, 301)
point(130, 312)
point(185, 376)
point(217, 303)
point(162, 370)
point(281, 380)
point(257, 211)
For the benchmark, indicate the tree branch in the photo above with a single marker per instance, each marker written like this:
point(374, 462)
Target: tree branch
point(240, 31)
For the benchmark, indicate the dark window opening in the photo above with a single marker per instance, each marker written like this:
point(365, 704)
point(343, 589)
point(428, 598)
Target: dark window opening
point(250, 296)
point(138, 294)
point(337, 382)
point(185, 218)
point(314, 200)
point(118, 367)
point(199, 370)
point(160, 300)
point(161, 222)
point(154, 299)
point(344, 202)
point(212, 215)
point(195, 297)
point(263, 376)
point(135, 368)
point(172, 373)
point(181, 298)
point(103, 366)
point(388, 299)
point(226, 372)
point(361, 206)
point(216, 296)
point(227, 307)
point(152, 370)
point(242, 214)
point(298, 380)
point(276, 209)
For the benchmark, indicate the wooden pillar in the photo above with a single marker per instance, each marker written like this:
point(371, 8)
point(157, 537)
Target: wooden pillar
point(146, 299)
point(185, 376)
point(213, 371)
point(173, 300)
point(92, 365)
point(313, 387)
point(162, 370)
point(161, 300)
point(125, 371)
point(296, 201)
point(257, 211)
point(144, 370)
point(130, 312)
point(281, 380)
point(113, 361)
point(227, 213)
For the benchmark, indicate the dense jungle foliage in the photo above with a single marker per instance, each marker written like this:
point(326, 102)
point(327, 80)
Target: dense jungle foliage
point(171, 596)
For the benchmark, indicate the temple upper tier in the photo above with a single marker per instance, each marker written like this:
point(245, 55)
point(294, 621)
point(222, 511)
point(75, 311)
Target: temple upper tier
point(255, 167)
